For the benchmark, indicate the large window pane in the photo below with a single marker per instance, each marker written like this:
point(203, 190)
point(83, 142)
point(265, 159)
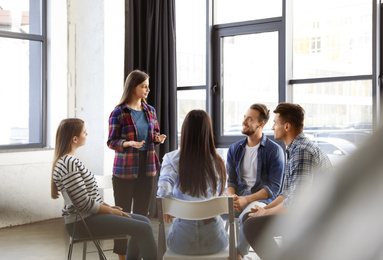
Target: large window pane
point(21, 16)
point(229, 11)
point(250, 75)
point(191, 42)
point(338, 115)
point(188, 100)
point(20, 92)
point(332, 38)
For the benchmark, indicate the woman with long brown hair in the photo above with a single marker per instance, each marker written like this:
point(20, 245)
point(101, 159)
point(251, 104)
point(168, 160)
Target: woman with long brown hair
point(69, 173)
point(194, 172)
point(133, 133)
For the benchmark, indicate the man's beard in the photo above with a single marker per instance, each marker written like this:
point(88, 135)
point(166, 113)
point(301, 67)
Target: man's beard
point(248, 132)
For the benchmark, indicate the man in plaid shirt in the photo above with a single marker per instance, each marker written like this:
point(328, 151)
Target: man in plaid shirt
point(304, 159)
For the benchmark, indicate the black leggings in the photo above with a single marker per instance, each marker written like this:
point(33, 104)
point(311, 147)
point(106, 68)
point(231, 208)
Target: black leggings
point(137, 191)
point(259, 236)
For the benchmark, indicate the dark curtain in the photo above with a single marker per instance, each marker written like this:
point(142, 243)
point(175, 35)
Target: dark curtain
point(150, 46)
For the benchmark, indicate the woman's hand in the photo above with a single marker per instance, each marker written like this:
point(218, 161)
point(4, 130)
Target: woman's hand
point(115, 210)
point(118, 212)
point(168, 219)
point(133, 144)
point(160, 138)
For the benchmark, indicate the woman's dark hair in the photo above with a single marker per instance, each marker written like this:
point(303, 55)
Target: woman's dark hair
point(200, 166)
point(291, 113)
point(135, 78)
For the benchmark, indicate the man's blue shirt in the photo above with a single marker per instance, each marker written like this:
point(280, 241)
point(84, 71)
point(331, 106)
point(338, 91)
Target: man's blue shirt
point(271, 161)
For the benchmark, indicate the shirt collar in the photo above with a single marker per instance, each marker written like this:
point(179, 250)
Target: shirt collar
point(262, 143)
point(295, 142)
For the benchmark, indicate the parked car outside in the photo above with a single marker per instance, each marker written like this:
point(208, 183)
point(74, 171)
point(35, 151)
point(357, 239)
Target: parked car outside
point(337, 149)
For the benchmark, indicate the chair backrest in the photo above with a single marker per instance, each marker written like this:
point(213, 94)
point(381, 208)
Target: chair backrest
point(195, 210)
point(66, 197)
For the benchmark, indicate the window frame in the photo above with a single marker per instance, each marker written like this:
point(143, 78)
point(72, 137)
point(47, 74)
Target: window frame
point(42, 102)
point(287, 81)
point(275, 24)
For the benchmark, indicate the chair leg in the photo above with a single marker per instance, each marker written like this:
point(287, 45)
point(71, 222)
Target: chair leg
point(70, 249)
point(101, 254)
point(84, 249)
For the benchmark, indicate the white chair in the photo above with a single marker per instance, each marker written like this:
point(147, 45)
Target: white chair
point(195, 210)
point(96, 239)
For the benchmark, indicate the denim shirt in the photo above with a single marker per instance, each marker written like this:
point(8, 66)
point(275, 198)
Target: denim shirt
point(271, 161)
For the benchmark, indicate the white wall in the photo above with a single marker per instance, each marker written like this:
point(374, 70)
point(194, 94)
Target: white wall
point(85, 79)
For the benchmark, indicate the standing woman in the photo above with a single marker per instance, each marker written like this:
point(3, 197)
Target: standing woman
point(69, 173)
point(133, 132)
point(194, 172)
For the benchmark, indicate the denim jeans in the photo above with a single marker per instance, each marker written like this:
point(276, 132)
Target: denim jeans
point(242, 245)
point(141, 242)
point(194, 237)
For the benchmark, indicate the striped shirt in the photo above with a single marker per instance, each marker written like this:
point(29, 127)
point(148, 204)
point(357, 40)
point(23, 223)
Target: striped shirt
point(122, 127)
point(304, 158)
point(80, 183)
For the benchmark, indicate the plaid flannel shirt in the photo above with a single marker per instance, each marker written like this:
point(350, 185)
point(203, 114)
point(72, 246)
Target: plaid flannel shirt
point(123, 128)
point(304, 159)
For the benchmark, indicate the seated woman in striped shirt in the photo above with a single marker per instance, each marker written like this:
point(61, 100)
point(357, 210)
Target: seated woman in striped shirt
point(69, 173)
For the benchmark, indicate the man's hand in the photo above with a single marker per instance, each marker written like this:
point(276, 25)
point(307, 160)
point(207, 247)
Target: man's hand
point(239, 202)
point(257, 211)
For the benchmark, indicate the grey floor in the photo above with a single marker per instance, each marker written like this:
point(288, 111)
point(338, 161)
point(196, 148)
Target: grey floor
point(48, 240)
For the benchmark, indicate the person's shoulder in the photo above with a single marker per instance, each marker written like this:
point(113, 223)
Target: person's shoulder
point(306, 144)
point(272, 146)
point(117, 110)
point(172, 157)
point(149, 107)
point(238, 144)
point(73, 163)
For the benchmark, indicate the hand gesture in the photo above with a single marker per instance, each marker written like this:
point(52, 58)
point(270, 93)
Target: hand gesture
point(159, 138)
point(239, 202)
point(133, 144)
point(257, 211)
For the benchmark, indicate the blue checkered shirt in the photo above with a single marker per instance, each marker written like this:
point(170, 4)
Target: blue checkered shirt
point(304, 158)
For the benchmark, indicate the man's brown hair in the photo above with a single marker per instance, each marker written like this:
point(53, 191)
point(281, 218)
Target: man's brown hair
point(291, 113)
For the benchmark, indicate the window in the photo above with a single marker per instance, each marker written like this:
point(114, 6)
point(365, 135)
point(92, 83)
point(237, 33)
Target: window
point(22, 66)
point(322, 57)
point(333, 82)
point(191, 57)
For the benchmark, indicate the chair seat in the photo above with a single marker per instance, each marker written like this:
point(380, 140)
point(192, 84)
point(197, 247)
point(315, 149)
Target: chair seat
point(103, 237)
point(170, 255)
